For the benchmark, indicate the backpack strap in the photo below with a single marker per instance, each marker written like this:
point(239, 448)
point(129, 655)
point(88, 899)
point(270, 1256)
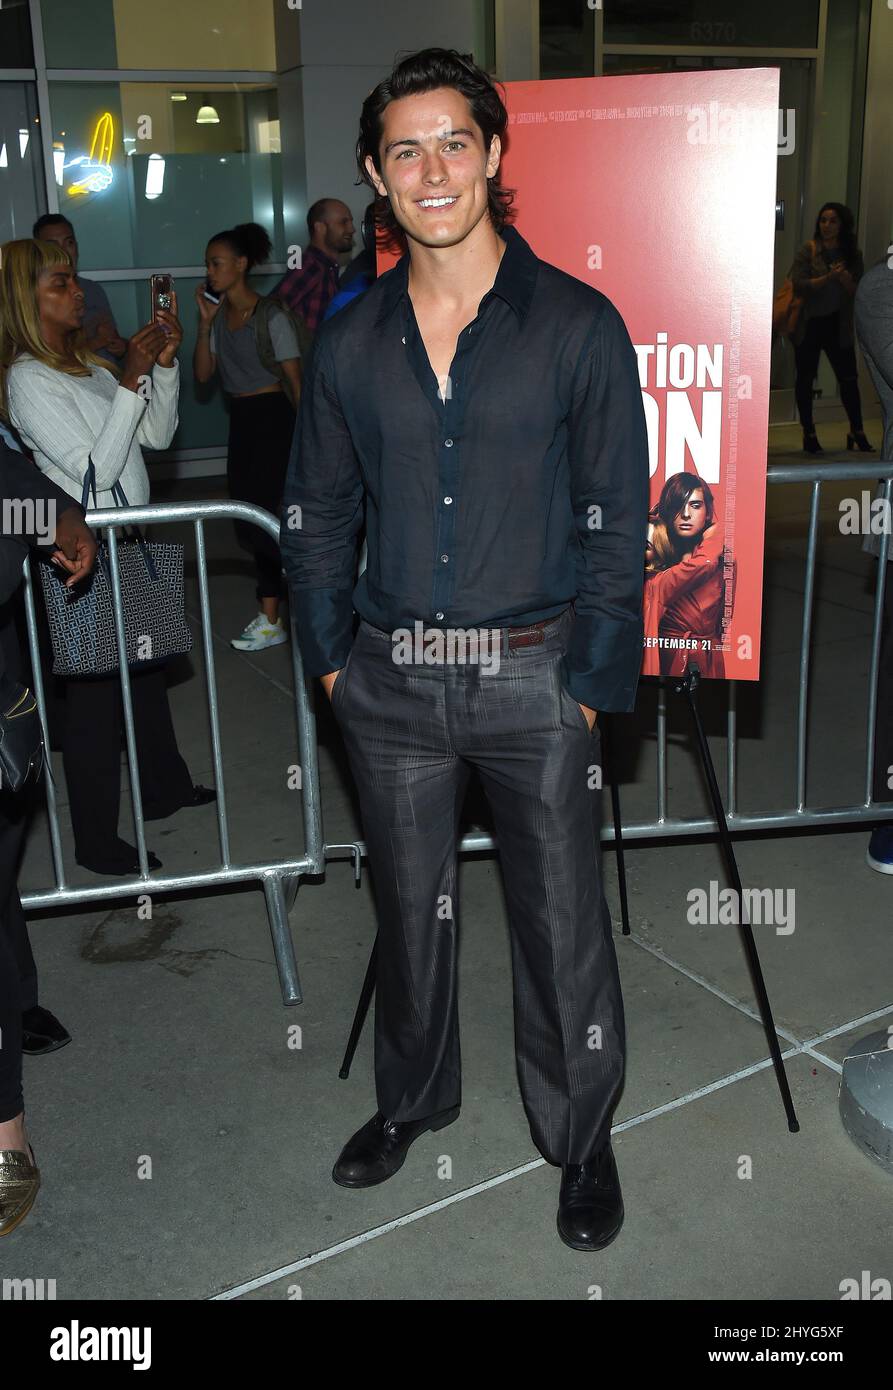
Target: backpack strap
point(264, 310)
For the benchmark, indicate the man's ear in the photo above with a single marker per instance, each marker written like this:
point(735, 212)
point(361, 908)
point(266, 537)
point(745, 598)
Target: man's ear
point(494, 156)
point(375, 177)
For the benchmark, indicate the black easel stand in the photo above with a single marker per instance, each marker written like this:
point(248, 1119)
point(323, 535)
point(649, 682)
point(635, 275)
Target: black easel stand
point(688, 685)
point(362, 1009)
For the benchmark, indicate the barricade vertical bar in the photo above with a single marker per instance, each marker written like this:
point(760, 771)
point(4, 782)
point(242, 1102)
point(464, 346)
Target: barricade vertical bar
point(211, 679)
point(808, 596)
point(136, 794)
point(661, 753)
point(311, 804)
point(37, 675)
point(732, 748)
point(871, 722)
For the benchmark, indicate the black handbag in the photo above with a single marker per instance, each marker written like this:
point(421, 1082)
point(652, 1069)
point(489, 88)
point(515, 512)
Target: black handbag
point(21, 737)
point(82, 620)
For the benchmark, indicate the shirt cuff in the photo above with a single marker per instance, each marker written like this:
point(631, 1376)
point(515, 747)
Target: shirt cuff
point(134, 401)
point(323, 621)
point(601, 666)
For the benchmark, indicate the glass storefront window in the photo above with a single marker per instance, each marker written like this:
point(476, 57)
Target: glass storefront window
point(15, 35)
point(713, 23)
point(567, 38)
point(147, 172)
point(21, 161)
point(200, 35)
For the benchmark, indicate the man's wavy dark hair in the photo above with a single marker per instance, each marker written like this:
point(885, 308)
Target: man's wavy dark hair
point(423, 72)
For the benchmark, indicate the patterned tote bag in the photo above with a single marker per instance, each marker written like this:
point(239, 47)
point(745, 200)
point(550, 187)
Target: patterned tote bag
point(82, 620)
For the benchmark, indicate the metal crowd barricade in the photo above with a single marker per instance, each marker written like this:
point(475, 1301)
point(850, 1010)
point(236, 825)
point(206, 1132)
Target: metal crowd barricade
point(280, 878)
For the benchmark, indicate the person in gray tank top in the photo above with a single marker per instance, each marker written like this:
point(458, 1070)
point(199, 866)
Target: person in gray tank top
point(262, 417)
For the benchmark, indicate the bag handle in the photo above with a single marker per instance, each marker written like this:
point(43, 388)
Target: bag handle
point(120, 497)
point(89, 484)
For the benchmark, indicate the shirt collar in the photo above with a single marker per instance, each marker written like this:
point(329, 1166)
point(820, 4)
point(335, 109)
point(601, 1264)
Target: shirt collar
point(515, 278)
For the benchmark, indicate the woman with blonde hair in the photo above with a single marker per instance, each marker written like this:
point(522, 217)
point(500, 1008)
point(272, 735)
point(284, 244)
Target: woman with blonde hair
point(70, 410)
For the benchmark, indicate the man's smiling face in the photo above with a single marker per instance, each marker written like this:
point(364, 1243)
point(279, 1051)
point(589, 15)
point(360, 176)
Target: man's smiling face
point(434, 167)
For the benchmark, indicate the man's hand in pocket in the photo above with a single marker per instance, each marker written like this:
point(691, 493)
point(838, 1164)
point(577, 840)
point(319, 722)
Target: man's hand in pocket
point(329, 680)
point(590, 715)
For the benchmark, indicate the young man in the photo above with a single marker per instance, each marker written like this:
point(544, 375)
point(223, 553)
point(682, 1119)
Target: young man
point(487, 408)
point(100, 328)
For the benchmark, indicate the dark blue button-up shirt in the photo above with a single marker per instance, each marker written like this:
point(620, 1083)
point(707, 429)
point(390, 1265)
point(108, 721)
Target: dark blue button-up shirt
point(524, 490)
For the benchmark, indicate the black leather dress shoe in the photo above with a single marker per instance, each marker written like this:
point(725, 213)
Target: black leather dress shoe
point(42, 1032)
point(590, 1205)
point(379, 1149)
point(201, 796)
point(121, 859)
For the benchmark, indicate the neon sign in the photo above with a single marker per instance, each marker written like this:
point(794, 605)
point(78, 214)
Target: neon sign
point(95, 169)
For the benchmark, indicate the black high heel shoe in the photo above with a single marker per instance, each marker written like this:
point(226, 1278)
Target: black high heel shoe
point(811, 443)
point(858, 441)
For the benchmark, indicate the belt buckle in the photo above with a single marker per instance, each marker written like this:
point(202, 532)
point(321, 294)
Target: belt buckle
point(527, 637)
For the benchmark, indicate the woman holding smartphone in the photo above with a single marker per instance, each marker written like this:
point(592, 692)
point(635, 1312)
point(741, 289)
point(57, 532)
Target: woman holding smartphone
point(825, 274)
point(262, 418)
point(69, 407)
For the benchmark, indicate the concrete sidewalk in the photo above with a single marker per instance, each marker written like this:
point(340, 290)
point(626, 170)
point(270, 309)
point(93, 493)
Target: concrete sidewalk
point(184, 1062)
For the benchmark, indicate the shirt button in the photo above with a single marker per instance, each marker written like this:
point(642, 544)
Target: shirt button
point(448, 443)
point(438, 615)
point(448, 500)
point(403, 340)
point(444, 558)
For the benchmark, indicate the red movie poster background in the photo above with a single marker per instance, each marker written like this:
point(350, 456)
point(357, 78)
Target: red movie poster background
point(660, 192)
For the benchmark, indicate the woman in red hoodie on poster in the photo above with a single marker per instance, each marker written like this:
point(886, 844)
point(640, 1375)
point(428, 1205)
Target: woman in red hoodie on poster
point(683, 604)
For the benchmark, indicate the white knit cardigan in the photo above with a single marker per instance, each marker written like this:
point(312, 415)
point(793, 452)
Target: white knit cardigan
point(64, 419)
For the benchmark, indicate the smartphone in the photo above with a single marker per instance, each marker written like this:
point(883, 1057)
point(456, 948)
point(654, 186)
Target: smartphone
point(162, 287)
point(208, 293)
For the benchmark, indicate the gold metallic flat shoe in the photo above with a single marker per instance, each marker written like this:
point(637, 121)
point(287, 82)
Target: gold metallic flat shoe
point(19, 1181)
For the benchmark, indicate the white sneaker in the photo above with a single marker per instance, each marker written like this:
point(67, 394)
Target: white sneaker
point(260, 633)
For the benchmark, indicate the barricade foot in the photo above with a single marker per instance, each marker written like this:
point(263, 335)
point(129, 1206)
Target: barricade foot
point(283, 946)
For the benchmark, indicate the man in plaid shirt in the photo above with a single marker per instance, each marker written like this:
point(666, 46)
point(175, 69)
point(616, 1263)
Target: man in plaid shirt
point(309, 291)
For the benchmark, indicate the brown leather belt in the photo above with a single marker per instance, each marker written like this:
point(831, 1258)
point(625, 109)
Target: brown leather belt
point(532, 635)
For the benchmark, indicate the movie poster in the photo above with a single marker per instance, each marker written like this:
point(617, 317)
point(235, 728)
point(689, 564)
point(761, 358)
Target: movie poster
point(660, 191)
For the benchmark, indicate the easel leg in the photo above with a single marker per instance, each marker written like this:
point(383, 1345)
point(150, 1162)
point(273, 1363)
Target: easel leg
point(359, 1018)
point(688, 685)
